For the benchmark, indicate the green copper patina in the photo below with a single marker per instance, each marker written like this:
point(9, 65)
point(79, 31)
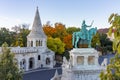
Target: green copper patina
point(83, 34)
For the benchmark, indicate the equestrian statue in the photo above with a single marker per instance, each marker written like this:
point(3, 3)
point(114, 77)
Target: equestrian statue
point(83, 35)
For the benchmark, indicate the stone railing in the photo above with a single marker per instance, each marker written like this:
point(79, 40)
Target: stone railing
point(23, 50)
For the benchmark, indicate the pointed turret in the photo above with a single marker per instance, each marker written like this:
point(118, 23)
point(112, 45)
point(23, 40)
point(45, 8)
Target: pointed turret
point(37, 36)
point(37, 30)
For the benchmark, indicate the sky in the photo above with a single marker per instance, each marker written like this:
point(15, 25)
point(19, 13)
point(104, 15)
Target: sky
point(69, 12)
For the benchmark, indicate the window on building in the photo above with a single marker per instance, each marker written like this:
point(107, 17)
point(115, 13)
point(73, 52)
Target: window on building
point(37, 43)
point(48, 61)
point(38, 57)
point(31, 43)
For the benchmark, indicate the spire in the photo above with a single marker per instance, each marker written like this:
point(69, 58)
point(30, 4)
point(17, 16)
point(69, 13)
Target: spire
point(37, 30)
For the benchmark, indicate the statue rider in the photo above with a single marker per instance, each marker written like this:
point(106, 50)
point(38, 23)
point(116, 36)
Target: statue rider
point(84, 30)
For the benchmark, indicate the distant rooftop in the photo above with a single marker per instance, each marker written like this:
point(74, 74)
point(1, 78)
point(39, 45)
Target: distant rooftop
point(103, 30)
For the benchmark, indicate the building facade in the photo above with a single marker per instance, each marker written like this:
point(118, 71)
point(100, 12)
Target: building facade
point(36, 54)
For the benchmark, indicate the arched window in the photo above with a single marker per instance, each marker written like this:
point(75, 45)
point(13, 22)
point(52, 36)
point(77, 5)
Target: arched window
point(31, 43)
point(48, 61)
point(23, 64)
point(31, 63)
point(39, 57)
point(37, 43)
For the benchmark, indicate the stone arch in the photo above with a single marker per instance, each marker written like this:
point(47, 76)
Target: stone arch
point(31, 43)
point(37, 43)
point(31, 63)
point(47, 61)
point(23, 64)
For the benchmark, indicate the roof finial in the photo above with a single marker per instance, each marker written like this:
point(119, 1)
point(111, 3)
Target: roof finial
point(37, 7)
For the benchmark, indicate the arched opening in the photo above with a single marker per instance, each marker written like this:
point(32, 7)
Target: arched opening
point(31, 43)
point(23, 64)
point(31, 63)
point(37, 43)
point(39, 57)
point(47, 61)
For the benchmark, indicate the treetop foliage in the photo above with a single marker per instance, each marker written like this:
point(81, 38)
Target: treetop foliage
point(8, 67)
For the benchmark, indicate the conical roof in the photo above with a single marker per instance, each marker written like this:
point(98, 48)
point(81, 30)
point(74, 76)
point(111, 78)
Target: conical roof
point(37, 30)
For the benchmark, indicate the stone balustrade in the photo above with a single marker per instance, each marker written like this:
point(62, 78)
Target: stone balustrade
point(24, 50)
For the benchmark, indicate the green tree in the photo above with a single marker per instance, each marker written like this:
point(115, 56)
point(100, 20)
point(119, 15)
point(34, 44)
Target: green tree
point(21, 35)
point(95, 40)
point(106, 43)
point(6, 36)
point(113, 69)
point(114, 20)
point(8, 67)
point(56, 45)
point(70, 30)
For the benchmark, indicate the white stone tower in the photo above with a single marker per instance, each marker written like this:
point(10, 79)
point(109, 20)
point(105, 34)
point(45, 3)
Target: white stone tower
point(36, 37)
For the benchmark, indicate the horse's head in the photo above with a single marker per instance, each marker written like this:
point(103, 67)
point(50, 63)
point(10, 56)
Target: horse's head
point(93, 31)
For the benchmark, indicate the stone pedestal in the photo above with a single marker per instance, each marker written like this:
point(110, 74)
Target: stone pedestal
point(84, 65)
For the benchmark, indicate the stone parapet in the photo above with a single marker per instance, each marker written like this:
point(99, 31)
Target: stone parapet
point(24, 50)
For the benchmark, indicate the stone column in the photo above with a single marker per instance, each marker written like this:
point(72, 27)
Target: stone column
point(18, 63)
point(51, 61)
point(96, 60)
point(85, 60)
point(34, 43)
point(75, 60)
point(35, 62)
point(27, 64)
point(44, 43)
